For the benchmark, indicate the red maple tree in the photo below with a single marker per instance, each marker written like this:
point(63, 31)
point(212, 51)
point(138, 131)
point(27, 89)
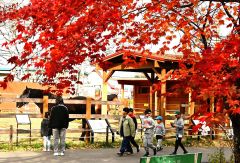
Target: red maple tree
point(58, 35)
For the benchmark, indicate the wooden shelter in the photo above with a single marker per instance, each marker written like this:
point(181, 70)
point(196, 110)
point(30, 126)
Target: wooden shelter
point(154, 69)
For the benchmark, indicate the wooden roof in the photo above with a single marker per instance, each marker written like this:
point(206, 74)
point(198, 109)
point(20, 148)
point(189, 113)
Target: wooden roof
point(152, 61)
point(141, 81)
point(149, 65)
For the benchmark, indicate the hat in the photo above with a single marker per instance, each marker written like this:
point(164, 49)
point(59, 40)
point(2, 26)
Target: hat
point(130, 109)
point(177, 112)
point(159, 118)
point(147, 111)
point(126, 110)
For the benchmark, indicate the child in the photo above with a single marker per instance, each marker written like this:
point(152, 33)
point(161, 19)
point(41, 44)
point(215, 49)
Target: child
point(160, 132)
point(46, 132)
point(148, 128)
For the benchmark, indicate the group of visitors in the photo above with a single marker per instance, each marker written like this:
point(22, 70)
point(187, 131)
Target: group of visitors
point(127, 130)
point(55, 124)
point(128, 127)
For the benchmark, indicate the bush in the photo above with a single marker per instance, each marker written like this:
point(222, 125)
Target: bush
point(219, 157)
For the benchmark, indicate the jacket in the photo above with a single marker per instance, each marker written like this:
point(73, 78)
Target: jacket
point(45, 130)
point(59, 117)
point(148, 125)
point(160, 129)
point(127, 127)
point(179, 127)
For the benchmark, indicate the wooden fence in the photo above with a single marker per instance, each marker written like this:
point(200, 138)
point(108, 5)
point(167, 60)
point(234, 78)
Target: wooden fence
point(46, 101)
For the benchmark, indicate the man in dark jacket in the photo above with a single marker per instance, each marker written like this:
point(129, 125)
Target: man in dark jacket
point(59, 120)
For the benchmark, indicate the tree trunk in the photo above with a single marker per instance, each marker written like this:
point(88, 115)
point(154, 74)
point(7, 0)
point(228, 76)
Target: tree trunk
point(236, 138)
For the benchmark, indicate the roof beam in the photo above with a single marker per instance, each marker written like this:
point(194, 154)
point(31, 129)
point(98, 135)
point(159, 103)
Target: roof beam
point(108, 75)
point(157, 73)
point(147, 76)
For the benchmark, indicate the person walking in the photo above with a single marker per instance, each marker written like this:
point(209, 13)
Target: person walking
point(179, 125)
point(46, 132)
point(160, 132)
point(148, 128)
point(132, 139)
point(59, 121)
point(126, 130)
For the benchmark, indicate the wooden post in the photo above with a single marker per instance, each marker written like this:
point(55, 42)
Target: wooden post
point(163, 94)
point(212, 104)
point(88, 116)
point(150, 98)
point(107, 134)
point(104, 93)
point(156, 103)
point(45, 105)
point(88, 108)
point(11, 137)
point(122, 91)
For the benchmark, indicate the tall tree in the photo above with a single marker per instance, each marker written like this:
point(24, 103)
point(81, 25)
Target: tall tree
point(58, 35)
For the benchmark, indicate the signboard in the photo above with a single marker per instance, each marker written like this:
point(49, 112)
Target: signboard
point(98, 126)
point(23, 119)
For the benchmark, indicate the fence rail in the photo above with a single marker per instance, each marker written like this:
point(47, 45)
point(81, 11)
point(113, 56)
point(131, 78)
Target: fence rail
point(77, 116)
point(66, 101)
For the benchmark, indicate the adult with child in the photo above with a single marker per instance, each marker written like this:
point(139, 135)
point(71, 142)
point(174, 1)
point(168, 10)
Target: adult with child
point(132, 139)
point(148, 125)
point(179, 125)
point(160, 132)
point(126, 130)
point(46, 132)
point(59, 121)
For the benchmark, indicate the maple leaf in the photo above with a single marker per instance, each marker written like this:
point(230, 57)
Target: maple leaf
point(20, 27)
point(9, 78)
point(3, 84)
point(25, 77)
point(236, 111)
point(13, 59)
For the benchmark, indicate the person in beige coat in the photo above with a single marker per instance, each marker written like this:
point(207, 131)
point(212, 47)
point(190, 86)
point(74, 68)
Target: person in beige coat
point(127, 131)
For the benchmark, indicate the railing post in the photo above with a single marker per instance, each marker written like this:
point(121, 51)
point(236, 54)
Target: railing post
point(45, 105)
point(107, 134)
point(11, 137)
point(88, 116)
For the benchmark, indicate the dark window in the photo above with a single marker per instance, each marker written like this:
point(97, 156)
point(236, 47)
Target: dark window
point(143, 90)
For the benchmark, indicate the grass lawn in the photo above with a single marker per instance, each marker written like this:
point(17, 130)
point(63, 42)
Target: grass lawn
point(74, 143)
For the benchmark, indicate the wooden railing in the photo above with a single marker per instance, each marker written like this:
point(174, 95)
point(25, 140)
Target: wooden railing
point(46, 101)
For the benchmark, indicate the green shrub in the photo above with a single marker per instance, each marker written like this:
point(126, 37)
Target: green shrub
point(217, 157)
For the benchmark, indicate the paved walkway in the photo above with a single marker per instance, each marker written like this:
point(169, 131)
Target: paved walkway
point(93, 156)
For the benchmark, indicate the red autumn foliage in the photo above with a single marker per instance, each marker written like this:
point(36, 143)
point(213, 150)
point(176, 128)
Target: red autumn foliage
point(57, 35)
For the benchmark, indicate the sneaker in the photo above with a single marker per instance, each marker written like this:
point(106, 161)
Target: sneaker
point(120, 154)
point(154, 151)
point(129, 153)
point(146, 154)
point(55, 154)
point(174, 153)
point(61, 154)
point(159, 149)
